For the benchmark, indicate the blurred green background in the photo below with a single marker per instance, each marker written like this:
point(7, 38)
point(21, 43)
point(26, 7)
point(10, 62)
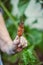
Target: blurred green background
point(31, 12)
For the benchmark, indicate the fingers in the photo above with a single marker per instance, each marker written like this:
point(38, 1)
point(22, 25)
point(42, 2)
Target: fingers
point(25, 45)
point(16, 40)
point(19, 49)
point(20, 43)
point(23, 41)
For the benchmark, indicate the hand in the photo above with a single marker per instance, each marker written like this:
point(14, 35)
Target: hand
point(17, 42)
point(20, 43)
point(23, 42)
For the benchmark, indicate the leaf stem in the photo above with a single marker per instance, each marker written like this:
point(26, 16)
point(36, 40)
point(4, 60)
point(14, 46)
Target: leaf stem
point(7, 12)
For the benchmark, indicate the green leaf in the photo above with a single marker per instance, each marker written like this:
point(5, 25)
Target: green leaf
point(22, 5)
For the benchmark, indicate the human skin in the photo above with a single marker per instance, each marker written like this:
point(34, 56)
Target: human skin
point(6, 43)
